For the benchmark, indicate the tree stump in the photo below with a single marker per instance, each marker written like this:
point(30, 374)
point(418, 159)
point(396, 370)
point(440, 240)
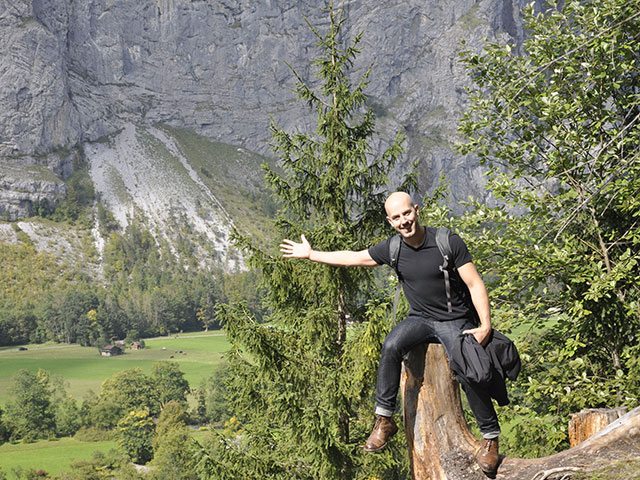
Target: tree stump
point(587, 423)
point(441, 447)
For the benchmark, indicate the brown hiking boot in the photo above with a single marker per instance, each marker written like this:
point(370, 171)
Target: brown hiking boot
point(384, 429)
point(487, 457)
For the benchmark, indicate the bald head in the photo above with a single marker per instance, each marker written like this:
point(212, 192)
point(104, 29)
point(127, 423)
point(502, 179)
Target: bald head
point(397, 200)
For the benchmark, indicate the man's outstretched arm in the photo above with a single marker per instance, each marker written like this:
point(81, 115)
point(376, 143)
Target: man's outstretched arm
point(342, 258)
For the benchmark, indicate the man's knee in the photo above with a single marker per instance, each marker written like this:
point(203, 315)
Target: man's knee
point(392, 348)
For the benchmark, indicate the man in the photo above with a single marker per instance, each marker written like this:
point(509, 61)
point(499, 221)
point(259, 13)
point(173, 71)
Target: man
point(431, 317)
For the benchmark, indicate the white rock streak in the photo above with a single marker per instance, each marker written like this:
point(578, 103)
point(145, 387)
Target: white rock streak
point(141, 170)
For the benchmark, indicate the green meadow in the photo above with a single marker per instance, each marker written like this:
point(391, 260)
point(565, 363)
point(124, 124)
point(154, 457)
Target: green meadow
point(52, 456)
point(84, 369)
point(56, 456)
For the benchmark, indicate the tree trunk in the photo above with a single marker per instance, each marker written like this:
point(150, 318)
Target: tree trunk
point(441, 447)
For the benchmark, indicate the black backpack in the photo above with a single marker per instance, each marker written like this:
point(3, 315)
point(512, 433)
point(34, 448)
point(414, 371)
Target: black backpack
point(448, 269)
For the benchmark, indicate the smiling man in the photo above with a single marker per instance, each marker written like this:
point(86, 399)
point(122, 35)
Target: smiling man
point(433, 315)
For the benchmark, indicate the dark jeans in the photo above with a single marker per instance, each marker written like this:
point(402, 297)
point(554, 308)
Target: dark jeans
point(412, 331)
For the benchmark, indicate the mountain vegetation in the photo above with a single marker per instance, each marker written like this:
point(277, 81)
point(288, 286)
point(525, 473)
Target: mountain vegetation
point(146, 290)
point(557, 125)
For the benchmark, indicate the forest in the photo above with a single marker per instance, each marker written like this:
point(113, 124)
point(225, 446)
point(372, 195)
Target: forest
point(147, 290)
point(557, 126)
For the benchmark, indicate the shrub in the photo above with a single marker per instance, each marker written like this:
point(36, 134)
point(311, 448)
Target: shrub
point(135, 433)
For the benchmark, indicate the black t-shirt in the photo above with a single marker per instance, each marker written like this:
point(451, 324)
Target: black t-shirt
point(423, 283)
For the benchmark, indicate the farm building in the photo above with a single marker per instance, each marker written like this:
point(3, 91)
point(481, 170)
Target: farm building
point(110, 351)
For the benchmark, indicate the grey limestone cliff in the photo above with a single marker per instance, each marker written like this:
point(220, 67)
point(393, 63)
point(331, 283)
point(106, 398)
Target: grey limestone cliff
point(74, 71)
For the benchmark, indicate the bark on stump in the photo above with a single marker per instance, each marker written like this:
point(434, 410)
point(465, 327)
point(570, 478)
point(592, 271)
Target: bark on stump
point(441, 447)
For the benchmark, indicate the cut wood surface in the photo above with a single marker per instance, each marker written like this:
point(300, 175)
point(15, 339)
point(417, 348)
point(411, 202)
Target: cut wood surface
point(441, 446)
point(587, 423)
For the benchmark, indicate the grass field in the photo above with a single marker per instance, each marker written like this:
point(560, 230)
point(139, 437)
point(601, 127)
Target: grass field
point(56, 456)
point(83, 368)
point(52, 456)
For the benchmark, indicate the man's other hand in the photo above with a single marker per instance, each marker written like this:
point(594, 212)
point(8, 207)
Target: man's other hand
point(481, 334)
point(291, 249)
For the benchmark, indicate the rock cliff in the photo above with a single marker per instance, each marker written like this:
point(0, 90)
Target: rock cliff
point(73, 72)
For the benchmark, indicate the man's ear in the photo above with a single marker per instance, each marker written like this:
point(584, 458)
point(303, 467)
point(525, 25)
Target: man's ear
point(417, 209)
point(389, 220)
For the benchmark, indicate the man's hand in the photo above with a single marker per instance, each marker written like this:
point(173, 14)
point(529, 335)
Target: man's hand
point(291, 249)
point(481, 334)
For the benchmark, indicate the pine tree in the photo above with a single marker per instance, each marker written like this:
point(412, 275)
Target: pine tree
point(302, 382)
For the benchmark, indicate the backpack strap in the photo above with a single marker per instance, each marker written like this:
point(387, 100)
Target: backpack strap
point(394, 252)
point(448, 269)
point(442, 240)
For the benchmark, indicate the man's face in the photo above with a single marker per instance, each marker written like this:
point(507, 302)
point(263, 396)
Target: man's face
point(403, 216)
